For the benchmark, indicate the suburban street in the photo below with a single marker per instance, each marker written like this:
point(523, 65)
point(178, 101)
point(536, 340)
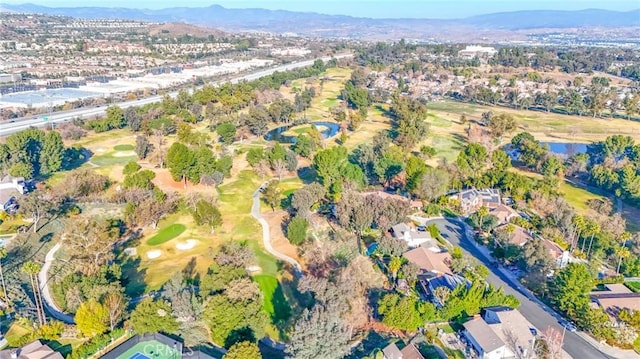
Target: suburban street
point(15, 125)
point(541, 317)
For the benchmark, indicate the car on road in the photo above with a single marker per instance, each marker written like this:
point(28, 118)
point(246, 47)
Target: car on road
point(568, 325)
point(421, 228)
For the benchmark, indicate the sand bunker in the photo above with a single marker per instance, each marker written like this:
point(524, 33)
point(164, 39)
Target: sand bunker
point(183, 246)
point(154, 254)
point(124, 154)
point(131, 251)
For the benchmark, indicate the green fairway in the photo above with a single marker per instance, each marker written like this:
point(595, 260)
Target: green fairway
point(577, 196)
point(166, 234)
point(124, 147)
point(634, 286)
point(112, 159)
point(275, 303)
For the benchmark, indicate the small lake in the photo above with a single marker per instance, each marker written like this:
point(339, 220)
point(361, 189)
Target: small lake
point(327, 130)
point(566, 149)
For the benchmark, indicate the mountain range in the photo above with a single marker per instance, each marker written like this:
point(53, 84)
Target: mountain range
point(314, 24)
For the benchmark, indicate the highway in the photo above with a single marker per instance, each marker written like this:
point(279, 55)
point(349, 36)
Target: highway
point(19, 124)
point(537, 313)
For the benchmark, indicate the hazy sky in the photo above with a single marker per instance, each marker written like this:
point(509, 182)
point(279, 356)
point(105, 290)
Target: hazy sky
point(366, 8)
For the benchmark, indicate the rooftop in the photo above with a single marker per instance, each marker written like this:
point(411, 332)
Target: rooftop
point(428, 260)
point(33, 350)
point(483, 335)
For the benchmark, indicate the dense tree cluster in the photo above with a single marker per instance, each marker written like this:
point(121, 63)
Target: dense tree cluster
point(32, 153)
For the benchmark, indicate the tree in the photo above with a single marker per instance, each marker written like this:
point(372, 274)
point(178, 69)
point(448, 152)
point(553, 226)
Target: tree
point(227, 132)
point(553, 340)
point(328, 163)
point(433, 184)
point(89, 242)
point(482, 213)
point(304, 146)
point(180, 161)
point(472, 161)
point(405, 313)
point(92, 318)
point(238, 307)
point(319, 333)
point(207, 213)
point(130, 167)
point(291, 160)
point(271, 194)
point(501, 124)
point(536, 258)
point(52, 153)
point(149, 209)
point(32, 269)
point(254, 156)
point(243, 350)
point(115, 305)
point(394, 266)
point(37, 205)
point(297, 230)
point(392, 246)
point(5, 294)
point(410, 272)
point(571, 287)
point(141, 179)
point(151, 316)
point(143, 146)
point(279, 168)
point(622, 252)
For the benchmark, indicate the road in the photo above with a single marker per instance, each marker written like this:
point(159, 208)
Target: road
point(7, 128)
point(537, 313)
point(266, 234)
point(50, 305)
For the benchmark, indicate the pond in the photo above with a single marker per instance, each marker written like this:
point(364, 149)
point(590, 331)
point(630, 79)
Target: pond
point(327, 130)
point(566, 149)
point(562, 149)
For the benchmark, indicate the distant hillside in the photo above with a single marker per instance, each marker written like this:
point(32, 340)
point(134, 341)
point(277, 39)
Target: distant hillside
point(536, 19)
point(279, 21)
point(180, 29)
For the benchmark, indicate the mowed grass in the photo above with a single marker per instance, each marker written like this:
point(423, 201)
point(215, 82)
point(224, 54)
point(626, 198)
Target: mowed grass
point(166, 234)
point(544, 126)
point(126, 147)
point(275, 302)
point(577, 197)
point(113, 159)
point(235, 200)
point(634, 286)
point(328, 93)
point(15, 332)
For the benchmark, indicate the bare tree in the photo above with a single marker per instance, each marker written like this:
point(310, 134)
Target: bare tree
point(38, 206)
point(90, 242)
point(553, 340)
point(114, 302)
point(279, 168)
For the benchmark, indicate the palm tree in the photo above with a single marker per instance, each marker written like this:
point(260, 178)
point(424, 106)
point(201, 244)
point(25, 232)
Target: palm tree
point(622, 252)
point(32, 269)
point(3, 254)
point(483, 212)
point(394, 266)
